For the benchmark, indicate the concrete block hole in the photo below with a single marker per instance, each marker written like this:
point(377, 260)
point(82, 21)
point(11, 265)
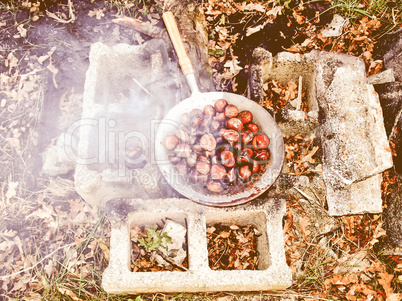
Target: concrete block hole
point(257, 221)
point(142, 261)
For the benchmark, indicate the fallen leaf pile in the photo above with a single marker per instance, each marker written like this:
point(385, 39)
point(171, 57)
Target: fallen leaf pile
point(232, 247)
point(277, 96)
point(357, 38)
point(303, 154)
point(50, 246)
point(344, 263)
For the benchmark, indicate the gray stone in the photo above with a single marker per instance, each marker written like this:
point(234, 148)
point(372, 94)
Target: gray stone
point(386, 76)
point(353, 136)
point(389, 49)
point(174, 251)
point(335, 28)
point(357, 198)
point(266, 214)
point(51, 165)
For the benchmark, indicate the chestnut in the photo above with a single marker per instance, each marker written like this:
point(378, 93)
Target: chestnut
point(217, 172)
point(202, 168)
point(196, 112)
point(208, 142)
point(170, 142)
point(220, 105)
point(201, 158)
point(256, 167)
point(203, 178)
point(262, 156)
point(228, 159)
point(220, 117)
point(198, 148)
point(253, 127)
point(209, 111)
point(243, 160)
point(245, 116)
point(247, 152)
point(244, 173)
point(247, 136)
point(183, 150)
point(174, 159)
point(185, 119)
point(182, 135)
point(231, 136)
point(234, 124)
point(181, 168)
point(196, 121)
point(191, 160)
point(214, 126)
point(231, 111)
point(260, 141)
point(215, 187)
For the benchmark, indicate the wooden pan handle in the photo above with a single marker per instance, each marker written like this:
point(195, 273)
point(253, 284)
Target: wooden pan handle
point(184, 60)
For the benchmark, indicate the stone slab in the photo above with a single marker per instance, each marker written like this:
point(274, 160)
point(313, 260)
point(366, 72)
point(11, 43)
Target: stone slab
point(266, 215)
point(354, 140)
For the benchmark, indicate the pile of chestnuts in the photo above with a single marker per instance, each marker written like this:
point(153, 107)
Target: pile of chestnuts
point(219, 147)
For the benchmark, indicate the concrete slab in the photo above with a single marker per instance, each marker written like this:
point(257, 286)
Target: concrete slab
point(266, 215)
point(354, 141)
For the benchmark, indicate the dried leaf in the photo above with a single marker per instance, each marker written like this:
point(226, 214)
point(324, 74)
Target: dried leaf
point(385, 280)
point(98, 13)
point(11, 191)
point(304, 222)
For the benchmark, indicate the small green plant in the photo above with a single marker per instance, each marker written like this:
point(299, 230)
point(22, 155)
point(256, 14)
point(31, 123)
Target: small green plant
point(154, 239)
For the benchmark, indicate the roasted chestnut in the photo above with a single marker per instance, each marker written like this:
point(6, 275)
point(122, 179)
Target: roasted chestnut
point(247, 136)
point(217, 172)
point(231, 111)
point(209, 111)
point(245, 116)
point(260, 141)
point(253, 127)
point(202, 167)
point(208, 142)
point(220, 105)
point(183, 150)
point(171, 142)
point(228, 159)
point(214, 186)
point(234, 124)
point(231, 136)
point(244, 173)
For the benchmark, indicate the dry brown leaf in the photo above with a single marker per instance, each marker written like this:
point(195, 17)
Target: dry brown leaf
point(98, 13)
point(304, 222)
point(385, 280)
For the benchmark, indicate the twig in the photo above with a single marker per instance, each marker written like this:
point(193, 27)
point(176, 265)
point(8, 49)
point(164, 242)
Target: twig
point(70, 12)
point(39, 262)
point(304, 194)
point(172, 262)
point(141, 86)
point(144, 27)
point(299, 93)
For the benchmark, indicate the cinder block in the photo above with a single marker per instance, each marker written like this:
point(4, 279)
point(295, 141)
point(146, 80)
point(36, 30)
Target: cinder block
point(272, 274)
point(121, 106)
